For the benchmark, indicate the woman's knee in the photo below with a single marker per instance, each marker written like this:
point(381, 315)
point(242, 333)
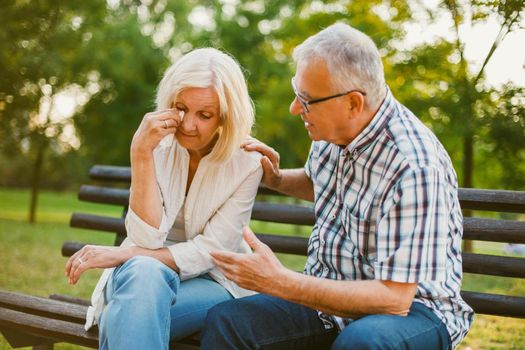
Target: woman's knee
point(144, 271)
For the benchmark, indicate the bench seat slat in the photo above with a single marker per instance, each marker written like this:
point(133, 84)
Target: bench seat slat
point(47, 328)
point(43, 306)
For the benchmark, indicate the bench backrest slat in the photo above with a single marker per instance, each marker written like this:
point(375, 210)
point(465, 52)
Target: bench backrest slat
point(470, 198)
point(480, 229)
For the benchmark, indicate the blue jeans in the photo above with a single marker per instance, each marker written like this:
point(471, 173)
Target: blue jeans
point(266, 322)
point(146, 305)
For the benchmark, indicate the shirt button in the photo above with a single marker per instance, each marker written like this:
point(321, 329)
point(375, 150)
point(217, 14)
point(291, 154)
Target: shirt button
point(323, 242)
point(325, 269)
point(334, 216)
point(355, 153)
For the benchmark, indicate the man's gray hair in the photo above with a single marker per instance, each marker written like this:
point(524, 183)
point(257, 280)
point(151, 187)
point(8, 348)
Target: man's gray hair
point(352, 59)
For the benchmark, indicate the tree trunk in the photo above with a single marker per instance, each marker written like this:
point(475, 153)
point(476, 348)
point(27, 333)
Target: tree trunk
point(35, 183)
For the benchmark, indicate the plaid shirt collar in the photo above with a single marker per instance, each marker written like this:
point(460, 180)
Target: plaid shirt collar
point(376, 125)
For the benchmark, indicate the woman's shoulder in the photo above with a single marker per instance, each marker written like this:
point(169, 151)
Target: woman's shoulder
point(241, 156)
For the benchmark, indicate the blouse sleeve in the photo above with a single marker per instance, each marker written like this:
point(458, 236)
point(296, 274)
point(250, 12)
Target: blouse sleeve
point(143, 234)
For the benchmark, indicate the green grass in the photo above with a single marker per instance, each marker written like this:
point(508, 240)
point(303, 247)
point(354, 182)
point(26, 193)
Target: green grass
point(32, 263)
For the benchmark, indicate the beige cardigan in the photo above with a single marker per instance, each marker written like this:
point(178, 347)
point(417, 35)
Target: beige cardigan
point(218, 204)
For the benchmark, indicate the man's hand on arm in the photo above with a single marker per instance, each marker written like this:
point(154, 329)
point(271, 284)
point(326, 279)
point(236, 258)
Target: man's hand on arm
point(262, 272)
point(293, 182)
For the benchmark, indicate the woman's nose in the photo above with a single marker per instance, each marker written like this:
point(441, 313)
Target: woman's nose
point(188, 123)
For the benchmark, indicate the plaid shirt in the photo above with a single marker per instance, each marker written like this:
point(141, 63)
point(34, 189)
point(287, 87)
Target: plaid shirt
point(386, 208)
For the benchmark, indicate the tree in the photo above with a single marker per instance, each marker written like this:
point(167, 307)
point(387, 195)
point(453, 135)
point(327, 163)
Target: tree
point(37, 48)
point(439, 84)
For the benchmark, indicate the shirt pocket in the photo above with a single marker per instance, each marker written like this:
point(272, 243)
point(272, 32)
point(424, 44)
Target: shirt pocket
point(360, 241)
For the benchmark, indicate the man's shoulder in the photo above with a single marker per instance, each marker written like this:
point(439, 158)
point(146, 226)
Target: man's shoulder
point(414, 141)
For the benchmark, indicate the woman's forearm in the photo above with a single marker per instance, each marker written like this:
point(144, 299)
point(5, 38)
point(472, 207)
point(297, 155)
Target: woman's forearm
point(144, 197)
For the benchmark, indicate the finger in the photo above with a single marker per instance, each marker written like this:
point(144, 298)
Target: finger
point(223, 257)
point(79, 260)
point(72, 270)
point(259, 147)
point(228, 273)
point(162, 112)
point(71, 259)
point(250, 238)
point(173, 119)
point(267, 165)
point(78, 272)
point(249, 140)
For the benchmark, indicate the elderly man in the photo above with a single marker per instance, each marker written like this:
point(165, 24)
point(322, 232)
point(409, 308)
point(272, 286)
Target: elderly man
point(384, 258)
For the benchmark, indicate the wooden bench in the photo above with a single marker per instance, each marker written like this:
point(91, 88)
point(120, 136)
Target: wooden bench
point(40, 322)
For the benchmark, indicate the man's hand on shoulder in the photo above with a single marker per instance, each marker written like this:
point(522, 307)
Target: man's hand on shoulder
point(270, 161)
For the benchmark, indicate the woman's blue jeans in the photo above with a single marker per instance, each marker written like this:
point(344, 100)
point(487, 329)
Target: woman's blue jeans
point(147, 305)
point(266, 322)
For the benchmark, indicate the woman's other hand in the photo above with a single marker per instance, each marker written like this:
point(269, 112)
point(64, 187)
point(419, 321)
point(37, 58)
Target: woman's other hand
point(91, 257)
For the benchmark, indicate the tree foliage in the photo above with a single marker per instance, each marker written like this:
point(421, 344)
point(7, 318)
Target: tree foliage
point(113, 54)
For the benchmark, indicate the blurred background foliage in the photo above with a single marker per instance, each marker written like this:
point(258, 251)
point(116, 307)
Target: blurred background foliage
point(77, 77)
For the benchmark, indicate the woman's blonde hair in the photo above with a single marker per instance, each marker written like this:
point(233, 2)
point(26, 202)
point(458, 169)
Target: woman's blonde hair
point(209, 67)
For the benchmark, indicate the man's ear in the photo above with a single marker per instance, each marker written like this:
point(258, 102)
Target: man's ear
point(356, 104)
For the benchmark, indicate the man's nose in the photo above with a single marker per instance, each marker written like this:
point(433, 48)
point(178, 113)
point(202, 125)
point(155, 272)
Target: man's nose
point(296, 107)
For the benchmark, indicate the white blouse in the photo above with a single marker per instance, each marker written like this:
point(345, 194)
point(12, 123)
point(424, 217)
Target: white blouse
point(219, 202)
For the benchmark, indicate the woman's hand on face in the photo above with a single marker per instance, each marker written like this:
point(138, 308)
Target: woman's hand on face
point(152, 129)
point(91, 257)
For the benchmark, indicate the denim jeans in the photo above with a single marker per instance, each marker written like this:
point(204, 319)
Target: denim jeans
point(147, 306)
point(266, 322)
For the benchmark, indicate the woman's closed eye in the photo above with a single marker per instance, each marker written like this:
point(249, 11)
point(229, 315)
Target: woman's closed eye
point(204, 115)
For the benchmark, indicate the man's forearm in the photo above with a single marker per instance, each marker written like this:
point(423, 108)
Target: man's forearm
point(352, 299)
point(295, 183)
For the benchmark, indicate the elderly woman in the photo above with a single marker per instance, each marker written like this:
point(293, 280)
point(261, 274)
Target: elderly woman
point(192, 190)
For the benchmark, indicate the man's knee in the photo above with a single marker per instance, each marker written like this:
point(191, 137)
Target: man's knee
point(358, 337)
point(223, 315)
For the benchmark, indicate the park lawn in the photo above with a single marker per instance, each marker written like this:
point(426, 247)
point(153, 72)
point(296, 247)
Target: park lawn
point(32, 263)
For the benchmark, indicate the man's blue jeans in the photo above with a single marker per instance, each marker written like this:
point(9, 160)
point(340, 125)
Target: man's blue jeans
point(266, 322)
point(147, 305)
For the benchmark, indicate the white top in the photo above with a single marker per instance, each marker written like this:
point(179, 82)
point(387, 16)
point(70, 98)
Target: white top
point(218, 204)
point(177, 233)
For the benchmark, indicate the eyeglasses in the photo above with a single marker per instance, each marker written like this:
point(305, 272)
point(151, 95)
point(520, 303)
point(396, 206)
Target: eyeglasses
point(305, 103)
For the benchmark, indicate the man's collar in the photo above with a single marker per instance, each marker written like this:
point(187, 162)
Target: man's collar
point(376, 125)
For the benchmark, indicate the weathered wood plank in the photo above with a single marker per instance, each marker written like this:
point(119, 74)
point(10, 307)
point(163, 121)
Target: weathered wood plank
point(493, 265)
point(470, 198)
point(495, 304)
point(42, 306)
point(98, 222)
point(47, 328)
